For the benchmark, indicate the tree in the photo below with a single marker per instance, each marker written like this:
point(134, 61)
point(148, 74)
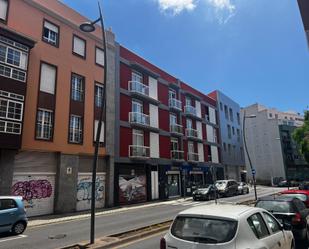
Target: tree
point(301, 137)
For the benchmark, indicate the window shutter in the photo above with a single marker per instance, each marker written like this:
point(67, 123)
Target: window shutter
point(48, 79)
point(96, 123)
point(51, 27)
point(79, 46)
point(23, 61)
point(3, 9)
point(100, 56)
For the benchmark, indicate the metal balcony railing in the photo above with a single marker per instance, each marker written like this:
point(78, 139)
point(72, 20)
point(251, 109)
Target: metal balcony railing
point(175, 103)
point(176, 128)
point(192, 133)
point(177, 155)
point(139, 118)
point(138, 151)
point(190, 110)
point(138, 87)
point(193, 157)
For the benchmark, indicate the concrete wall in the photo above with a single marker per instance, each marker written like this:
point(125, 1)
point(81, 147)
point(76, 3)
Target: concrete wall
point(6, 170)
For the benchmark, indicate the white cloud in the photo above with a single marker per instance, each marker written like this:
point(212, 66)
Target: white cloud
point(224, 10)
point(177, 6)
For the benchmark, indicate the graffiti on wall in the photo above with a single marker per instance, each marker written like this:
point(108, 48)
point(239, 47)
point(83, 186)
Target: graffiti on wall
point(37, 192)
point(132, 189)
point(84, 187)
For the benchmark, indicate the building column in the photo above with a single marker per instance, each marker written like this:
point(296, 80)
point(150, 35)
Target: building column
point(7, 158)
point(66, 183)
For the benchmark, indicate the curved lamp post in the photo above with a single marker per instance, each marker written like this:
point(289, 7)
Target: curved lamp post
point(90, 27)
point(249, 159)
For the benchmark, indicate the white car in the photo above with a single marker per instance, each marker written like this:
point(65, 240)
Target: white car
point(226, 226)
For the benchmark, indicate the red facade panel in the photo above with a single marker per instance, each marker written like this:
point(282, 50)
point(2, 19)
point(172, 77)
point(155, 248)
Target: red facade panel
point(164, 120)
point(125, 107)
point(125, 76)
point(163, 93)
point(165, 147)
point(125, 141)
point(204, 131)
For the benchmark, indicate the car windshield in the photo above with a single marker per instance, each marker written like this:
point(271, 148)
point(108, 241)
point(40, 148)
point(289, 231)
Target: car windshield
point(204, 186)
point(301, 197)
point(204, 230)
point(275, 206)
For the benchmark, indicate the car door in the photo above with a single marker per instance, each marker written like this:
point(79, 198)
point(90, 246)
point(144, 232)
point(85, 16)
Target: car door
point(277, 233)
point(8, 214)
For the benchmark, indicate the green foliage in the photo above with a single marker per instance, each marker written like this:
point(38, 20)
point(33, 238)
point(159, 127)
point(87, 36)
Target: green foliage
point(301, 137)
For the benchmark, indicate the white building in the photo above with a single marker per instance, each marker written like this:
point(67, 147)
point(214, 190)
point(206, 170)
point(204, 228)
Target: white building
point(263, 140)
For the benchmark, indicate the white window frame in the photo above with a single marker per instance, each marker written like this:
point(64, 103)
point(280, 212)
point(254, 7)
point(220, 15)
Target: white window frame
point(188, 101)
point(5, 124)
point(52, 30)
point(76, 46)
point(172, 94)
point(137, 77)
point(174, 144)
point(77, 87)
point(137, 137)
point(191, 147)
point(139, 106)
point(44, 123)
point(74, 130)
point(98, 98)
point(173, 119)
point(23, 57)
point(189, 123)
point(99, 56)
point(7, 109)
point(5, 4)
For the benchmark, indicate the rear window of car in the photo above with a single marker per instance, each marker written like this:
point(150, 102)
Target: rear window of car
point(7, 204)
point(276, 206)
point(204, 230)
point(301, 197)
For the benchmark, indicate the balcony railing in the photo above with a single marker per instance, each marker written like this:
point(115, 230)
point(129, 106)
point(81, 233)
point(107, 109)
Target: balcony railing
point(190, 110)
point(139, 118)
point(138, 151)
point(193, 157)
point(175, 103)
point(138, 87)
point(177, 155)
point(176, 128)
point(192, 133)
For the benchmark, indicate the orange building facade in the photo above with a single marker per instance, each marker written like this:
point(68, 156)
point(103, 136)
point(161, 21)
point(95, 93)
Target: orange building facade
point(61, 98)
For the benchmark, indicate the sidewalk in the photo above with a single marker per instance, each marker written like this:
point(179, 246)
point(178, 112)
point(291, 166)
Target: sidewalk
point(57, 218)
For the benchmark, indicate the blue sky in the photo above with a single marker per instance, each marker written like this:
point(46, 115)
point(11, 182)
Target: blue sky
point(252, 50)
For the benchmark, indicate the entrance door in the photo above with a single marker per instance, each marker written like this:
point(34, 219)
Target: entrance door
point(173, 181)
point(154, 185)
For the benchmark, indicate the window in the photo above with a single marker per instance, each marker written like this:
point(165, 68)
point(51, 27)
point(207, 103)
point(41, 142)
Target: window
point(238, 118)
point(190, 147)
point(7, 204)
point(231, 115)
point(174, 144)
point(96, 124)
point(224, 146)
point(137, 106)
point(138, 137)
point(226, 112)
point(270, 115)
point(209, 153)
point(79, 46)
point(229, 149)
point(10, 109)
point(233, 130)
point(99, 90)
point(44, 124)
point(242, 153)
point(76, 132)
point(99, 56)
point(51, 33)
point(3, 10)
point(137, 77)
point(48, 78)
point(258, 226)
point(229, 133)
point(173, 119)
point(172, 94)
point(10, 127)
point(13, 57)
point(189, 124)
point(221, 106)
point(188, 101)
point(77, 87)
point(272, 223)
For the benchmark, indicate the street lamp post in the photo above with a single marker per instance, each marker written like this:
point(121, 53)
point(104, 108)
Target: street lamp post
point(90, 27)
point(253, 172)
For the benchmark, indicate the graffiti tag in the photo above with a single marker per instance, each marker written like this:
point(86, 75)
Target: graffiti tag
point(84, 190)
point(33, 189)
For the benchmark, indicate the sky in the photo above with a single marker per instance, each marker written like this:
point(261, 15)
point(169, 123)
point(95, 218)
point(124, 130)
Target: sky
point(254, 51)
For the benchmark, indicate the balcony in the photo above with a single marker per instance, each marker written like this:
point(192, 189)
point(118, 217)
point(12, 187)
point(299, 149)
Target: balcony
point(191, 133)
point(140, 90)
point(190, 110)
point(193, 157)
point(175, 104)
point(139, 152)
point(177, 155)
point(139, 119)
point(176, 129)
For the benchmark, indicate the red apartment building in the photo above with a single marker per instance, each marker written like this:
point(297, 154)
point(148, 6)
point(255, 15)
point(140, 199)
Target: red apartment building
point(168, 137)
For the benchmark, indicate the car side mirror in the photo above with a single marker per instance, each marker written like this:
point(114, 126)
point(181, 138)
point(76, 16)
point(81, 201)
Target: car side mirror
point(286, 226)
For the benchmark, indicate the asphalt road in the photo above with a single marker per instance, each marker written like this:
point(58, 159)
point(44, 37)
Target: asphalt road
point(68, 233)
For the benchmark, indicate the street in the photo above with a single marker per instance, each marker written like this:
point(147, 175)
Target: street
point(71, 232)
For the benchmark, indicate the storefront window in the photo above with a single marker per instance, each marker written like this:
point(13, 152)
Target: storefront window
point(173, 185)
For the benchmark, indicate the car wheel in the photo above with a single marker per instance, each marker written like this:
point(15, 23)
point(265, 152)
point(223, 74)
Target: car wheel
point(19, 228)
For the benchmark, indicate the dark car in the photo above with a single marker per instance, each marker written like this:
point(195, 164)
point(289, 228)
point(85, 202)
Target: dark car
point(304, 186)
point(227, 187)
point(206, 192)
point(283, 183)
point(289, 211)
point(243, 188)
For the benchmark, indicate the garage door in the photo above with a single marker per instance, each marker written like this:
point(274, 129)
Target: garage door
point(84, 191)
point(37, 191)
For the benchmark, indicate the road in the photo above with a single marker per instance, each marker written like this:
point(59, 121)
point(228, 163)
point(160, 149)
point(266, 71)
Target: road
point(71, 232)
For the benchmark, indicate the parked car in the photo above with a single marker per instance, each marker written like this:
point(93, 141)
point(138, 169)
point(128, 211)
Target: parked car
point(12, 215)
point(303, 195)
point(227, 187)
point(243, 188)
point(206, 192)
point(283, 183)
point(226, 226)
point(304, 186)
point(290, 211)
